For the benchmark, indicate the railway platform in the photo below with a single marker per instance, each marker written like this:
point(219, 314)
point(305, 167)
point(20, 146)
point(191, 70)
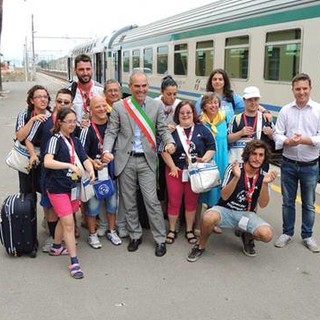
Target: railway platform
point(278, 284)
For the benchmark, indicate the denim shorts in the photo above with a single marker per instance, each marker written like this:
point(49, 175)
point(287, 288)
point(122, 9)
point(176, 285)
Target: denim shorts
point(110, 204)
point(45, 201)
point(246, 220)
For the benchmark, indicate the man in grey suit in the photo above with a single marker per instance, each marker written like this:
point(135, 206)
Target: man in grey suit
point(133, 126)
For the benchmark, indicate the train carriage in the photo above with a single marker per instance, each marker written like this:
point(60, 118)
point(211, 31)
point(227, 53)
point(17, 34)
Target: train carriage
point(261, 43)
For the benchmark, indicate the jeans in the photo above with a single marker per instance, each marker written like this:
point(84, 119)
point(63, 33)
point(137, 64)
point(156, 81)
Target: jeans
point(291, 173)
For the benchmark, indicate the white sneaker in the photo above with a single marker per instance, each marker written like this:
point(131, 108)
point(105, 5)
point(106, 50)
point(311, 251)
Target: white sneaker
point(283, 240)
point(311, 244)
point(47, 245)
point(94, 241)
point(101, 231)
point(113, 237)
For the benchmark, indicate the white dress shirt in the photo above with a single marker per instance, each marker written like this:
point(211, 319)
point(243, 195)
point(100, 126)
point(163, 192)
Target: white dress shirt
point(304, 121)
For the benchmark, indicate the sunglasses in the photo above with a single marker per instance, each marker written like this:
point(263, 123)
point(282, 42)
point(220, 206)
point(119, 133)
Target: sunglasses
point(65, 102)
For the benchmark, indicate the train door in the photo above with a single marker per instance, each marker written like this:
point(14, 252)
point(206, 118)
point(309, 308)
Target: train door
point(117, 65)
point(99, 67)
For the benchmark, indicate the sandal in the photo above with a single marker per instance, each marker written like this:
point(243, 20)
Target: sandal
point(62, 251)
point(170, 239)
point(192, 239)
point(75, 271)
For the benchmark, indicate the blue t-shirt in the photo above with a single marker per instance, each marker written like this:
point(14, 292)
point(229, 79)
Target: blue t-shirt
point(59, 181)
point(91, 144)
point(41, 132)
point(238, 199)
point(236, 126)
point(202, 140)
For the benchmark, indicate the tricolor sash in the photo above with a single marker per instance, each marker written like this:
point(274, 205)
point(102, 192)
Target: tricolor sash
point(141, 119)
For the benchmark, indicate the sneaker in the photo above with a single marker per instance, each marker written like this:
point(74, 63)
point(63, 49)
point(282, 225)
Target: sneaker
point(195, 253)
point(248, 244)
point(94, 241)
point(283, 240)
point(113, 237)
point(47, 245)
point(311, 244)
point(101, 231)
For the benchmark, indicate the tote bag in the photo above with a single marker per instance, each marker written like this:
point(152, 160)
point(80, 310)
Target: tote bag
point(203, 176)
point(18, 157)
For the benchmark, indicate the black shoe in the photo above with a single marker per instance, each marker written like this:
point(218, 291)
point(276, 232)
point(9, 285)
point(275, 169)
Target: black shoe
point(238, 232)
point(195, 253)
point(134, 244)
point(160, 249)
point(248, 244)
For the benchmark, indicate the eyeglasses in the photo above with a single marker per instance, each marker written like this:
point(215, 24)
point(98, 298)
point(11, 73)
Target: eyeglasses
point(185, 113)
point(65, 102)
point(41, 97)
point(70, 121)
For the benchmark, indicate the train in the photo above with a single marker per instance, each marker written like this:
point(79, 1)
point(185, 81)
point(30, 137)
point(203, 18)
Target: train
point(261, 43)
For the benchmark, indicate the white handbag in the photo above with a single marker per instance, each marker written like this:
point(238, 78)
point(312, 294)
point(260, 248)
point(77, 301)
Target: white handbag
point(86, 190)
point(18, 157)
point(203, 176)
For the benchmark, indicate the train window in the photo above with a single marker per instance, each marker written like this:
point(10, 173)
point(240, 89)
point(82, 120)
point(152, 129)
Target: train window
point(162, 59)
point(135, 59)
point(181, 59)
point(237, 57)
point(147, 60)
point(204, 58)
point(126, 61)
point(282, 55)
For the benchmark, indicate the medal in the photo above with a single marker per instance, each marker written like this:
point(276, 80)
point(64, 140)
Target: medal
point(74, 176)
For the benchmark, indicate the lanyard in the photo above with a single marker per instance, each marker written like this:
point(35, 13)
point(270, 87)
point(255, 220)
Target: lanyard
point(100, 145)
point(250, 188)
point(185, 141)
point(254, 123)
point(188, 139)
point(85, 97)
point(71, 148)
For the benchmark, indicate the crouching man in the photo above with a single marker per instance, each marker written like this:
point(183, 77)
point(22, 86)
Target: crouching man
point(244, 186)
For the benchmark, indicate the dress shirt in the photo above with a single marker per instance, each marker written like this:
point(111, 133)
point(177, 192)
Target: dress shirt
point(137, 143)
point(304, 121)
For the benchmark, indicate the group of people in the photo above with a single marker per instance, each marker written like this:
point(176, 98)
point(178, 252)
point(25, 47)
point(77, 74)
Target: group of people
point(139, 141)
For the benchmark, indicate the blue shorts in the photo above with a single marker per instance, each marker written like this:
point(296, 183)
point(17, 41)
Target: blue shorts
point(94, 205)
point(245, 220)
point(45, 201)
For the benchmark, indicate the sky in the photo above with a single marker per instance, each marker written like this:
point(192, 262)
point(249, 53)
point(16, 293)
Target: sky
point(76, 20)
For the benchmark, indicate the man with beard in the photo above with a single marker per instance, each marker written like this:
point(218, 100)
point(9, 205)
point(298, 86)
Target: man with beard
point(84, 89)
point(244, 186)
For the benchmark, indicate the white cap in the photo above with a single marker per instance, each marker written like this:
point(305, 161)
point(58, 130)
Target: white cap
point(251, 92)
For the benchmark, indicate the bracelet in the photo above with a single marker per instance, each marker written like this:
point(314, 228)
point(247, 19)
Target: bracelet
point(266, 111)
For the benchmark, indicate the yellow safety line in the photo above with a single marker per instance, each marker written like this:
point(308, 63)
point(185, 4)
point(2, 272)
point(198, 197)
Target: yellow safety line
point(298, 199)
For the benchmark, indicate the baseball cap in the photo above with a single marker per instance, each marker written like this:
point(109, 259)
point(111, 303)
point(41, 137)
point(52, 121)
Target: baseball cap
point(251, 92)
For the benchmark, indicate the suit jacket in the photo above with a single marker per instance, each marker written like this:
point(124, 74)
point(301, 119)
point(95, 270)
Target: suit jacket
point(119, 137)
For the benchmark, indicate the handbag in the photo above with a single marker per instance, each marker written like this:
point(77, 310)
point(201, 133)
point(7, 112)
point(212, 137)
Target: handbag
point(103, 189)
point(86, 188)
point(18, 157)
point(203, 176)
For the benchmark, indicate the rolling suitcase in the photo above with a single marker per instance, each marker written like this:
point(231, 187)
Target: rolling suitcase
point(18, 227)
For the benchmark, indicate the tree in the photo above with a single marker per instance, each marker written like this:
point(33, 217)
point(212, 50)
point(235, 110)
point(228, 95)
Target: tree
point(1, 11)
